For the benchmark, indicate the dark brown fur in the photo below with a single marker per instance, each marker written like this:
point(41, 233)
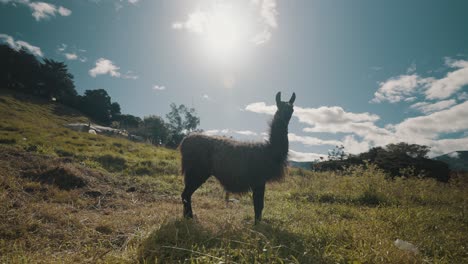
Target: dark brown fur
point(239, 166)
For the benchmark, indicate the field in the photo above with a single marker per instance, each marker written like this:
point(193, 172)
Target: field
point(68, 197)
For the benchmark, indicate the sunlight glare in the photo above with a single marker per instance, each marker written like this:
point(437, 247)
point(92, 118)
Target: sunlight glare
point(226, 32)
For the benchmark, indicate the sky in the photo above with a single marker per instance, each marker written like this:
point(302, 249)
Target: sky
point(366, 73)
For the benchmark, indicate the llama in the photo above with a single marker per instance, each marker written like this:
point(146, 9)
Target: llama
point(239, 166)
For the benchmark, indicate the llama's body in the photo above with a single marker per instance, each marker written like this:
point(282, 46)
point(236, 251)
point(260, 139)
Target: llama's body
point(239, 166)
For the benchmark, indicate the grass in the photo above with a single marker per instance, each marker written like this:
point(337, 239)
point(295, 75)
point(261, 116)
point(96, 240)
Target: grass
point(126, 207)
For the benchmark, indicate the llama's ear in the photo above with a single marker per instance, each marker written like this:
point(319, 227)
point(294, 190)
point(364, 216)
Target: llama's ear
point(278, 98)
point(293, 98)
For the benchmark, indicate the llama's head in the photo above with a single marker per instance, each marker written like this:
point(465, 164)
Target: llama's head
point(285, 109)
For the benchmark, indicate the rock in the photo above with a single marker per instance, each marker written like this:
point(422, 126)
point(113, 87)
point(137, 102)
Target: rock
point(404, 245)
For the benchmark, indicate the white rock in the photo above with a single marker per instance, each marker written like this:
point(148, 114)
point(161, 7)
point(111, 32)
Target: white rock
point(403, 245)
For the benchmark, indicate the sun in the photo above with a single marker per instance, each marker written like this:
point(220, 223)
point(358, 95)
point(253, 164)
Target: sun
point(224, 29)
point(226, 32)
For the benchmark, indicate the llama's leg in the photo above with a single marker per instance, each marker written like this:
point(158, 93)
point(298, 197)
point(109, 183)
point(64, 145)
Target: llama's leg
point(187, 201)
point(258, 197)
point(192, 183)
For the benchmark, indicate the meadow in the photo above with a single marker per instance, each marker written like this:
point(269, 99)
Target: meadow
point(71, 197)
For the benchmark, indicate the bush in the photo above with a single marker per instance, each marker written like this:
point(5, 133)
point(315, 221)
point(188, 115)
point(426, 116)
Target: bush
point(394, 161)
point(112, 163)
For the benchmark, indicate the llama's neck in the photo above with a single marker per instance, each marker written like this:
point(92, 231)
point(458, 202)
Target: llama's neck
point(278, 143)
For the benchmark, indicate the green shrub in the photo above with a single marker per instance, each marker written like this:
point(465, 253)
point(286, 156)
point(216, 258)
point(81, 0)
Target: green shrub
point(112, 163)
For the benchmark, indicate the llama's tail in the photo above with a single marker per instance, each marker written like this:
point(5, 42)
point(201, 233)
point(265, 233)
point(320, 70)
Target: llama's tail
point(182, 162)
point(183, 153)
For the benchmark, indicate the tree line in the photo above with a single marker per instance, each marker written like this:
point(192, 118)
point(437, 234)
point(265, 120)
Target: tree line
point(401, 159)
point(22, 72)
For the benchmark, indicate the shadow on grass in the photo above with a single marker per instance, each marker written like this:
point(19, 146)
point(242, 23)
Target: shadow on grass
point(188, 241)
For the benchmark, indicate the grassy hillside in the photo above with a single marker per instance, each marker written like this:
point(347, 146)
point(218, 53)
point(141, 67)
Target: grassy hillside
point(68, 197)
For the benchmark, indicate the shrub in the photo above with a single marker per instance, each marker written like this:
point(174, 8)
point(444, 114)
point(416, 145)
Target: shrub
point(112, 163)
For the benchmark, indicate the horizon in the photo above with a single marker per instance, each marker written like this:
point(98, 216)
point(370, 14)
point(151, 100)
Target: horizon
point(365, 74)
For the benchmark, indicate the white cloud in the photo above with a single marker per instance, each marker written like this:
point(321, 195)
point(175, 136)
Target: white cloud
point(261, 107)
point(62, 47)
point(426, 107)
point(401, 88)
point(269, 15)
point(246, 132)
point(463, 96)
point(159, 87)
point(33, 49)
point(64, 11)
point(411, 99)
point(353, 146)
point(397, 89)
point(212, 132)
point(454, 155)
point(41, 10)
point(269, 12)
point(332, 119)
point(105, 66)
point(331, 115)
point(225, 131)
point(451, 83)
point(304, 156)
point(197, 22)
point(133, 2)
point(424, 130)
point(19, 44)
point(261, 37)
point(216, 131)
point(451, 120)
point(71, 56)
point(312, 141)
point(448, 145)
point(130, 75)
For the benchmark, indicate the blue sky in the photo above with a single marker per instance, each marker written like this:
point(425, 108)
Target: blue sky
point(366, 73)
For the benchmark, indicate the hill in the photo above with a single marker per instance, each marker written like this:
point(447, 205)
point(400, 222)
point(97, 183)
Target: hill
point(70, 197)
point(300, 164)
point(457, 160)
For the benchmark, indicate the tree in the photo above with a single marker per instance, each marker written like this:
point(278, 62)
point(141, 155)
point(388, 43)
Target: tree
point(57, 82)
point(129, 122)
point(97, 104)
point(115, 111)
point(412, 150)
point(337, 153)
point(394, 159)
point(19, 69)
point(155, 130)
point(181, 121)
